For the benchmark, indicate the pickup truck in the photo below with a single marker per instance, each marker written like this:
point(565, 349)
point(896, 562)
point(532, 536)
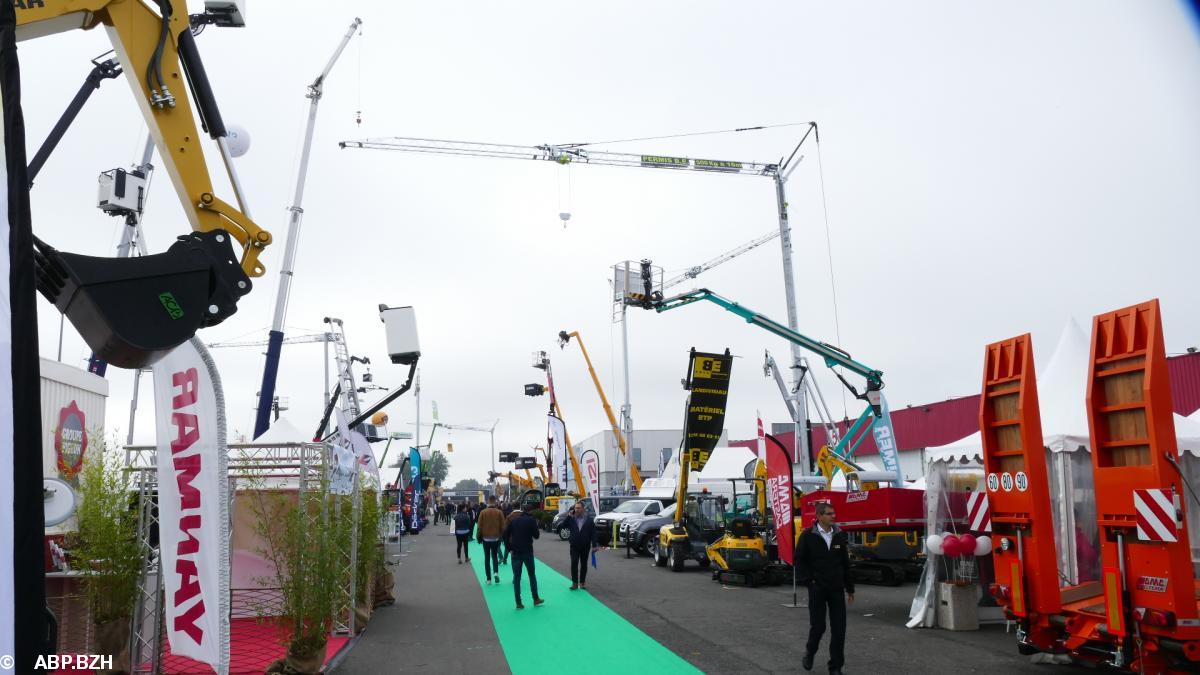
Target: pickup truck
point(634, 508)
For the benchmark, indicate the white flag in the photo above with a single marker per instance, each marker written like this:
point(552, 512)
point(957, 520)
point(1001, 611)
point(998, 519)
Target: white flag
point(762, 440)
point(193, 501)
point(556, 440)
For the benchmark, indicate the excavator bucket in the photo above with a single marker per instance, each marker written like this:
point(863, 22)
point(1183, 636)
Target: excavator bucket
point(132, 311)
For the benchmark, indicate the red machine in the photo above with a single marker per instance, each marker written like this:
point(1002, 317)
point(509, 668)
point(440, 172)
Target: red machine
point(885, 527)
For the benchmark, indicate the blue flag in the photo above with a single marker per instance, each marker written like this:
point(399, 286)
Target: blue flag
point(414, 461)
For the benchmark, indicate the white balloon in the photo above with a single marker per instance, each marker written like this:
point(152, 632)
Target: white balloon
point(933, 544)
point(983, 546)
point(238, 139)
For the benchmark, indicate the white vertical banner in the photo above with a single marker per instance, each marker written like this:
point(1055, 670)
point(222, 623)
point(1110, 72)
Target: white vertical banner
point(762, 440)
point(556, 441)
point(193, 504)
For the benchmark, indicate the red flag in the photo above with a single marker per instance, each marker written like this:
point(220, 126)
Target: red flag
point(779, 494)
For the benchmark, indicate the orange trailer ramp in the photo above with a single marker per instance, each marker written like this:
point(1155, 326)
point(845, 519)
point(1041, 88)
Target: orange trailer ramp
point(1019, 494)
point(1150, 606)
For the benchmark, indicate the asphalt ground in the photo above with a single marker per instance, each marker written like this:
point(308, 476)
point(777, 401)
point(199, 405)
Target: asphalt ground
point(441, 622)
point(747, 630)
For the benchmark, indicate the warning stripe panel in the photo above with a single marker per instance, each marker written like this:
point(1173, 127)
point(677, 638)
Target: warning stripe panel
point(1155, 516)
point(979, 512)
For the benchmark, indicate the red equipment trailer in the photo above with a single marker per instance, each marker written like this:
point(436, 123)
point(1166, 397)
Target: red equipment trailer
point(1018, 492)
point(1149, 585)
point(1142, 615)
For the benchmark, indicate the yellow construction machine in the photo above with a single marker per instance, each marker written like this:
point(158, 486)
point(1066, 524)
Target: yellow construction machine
point(740, 554)
point(132, 311)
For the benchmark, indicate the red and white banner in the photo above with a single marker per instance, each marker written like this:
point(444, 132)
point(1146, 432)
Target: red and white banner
point(591, 473)
point(779, 494)
point(1155, 515)
point(979, 512)
point(193, 498)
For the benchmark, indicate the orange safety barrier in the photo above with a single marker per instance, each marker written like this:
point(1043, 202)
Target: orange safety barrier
point(1018, 492)
point(1150, 591)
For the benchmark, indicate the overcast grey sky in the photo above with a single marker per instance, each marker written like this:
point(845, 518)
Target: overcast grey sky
point(989, 169)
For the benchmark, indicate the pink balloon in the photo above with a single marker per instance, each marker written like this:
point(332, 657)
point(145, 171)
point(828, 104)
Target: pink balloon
point(950, 546)
point(966, 545)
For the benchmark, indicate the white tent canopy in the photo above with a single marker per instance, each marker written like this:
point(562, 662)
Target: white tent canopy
point(1062, 399)
point(282, 431)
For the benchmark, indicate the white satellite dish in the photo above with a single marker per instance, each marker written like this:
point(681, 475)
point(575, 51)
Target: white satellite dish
point(238, 139)
point(59, 499)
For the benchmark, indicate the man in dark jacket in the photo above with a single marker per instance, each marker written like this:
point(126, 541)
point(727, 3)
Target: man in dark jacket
point(823, 564)
point(583, 543)
point(519, 534)
point(463, 524)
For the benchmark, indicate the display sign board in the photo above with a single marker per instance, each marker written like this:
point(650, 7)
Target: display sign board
point(717, 165)
point(666, 162)
point(70, 440)
point(708, 379)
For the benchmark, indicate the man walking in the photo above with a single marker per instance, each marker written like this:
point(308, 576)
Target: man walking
point(823, 564)
point(583, 543)
point(489, 529)
point(522, 529)
point(463, 524)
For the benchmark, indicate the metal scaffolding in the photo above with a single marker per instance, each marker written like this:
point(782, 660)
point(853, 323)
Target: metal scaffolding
point(299, 466)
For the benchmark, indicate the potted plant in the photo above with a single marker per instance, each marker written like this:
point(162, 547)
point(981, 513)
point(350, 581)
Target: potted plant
point(107, 549)
point(369, 557)
point(305, 537)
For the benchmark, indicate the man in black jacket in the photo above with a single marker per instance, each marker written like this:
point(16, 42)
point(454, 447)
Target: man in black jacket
point(518, 537)
point(583, 543)
point(823, 564)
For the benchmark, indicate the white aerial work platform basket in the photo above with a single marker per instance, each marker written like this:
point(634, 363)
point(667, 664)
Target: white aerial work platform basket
point(629, 285)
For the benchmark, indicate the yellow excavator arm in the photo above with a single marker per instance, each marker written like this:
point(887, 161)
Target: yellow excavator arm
point(828, 464)
point(134, 29)
point(133, 311)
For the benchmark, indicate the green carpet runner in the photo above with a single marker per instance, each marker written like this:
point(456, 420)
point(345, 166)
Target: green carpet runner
point(536, 638)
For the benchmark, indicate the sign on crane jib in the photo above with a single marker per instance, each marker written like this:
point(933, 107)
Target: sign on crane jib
point(706, 406)
point(667, 162)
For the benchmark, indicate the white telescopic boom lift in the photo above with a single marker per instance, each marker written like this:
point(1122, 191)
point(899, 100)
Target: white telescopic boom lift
point(271, 369)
